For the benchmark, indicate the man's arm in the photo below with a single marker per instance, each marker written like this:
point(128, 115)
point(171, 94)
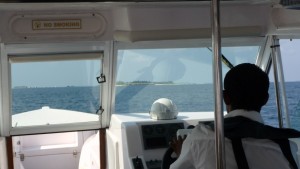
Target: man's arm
point(184, 154)
point(176, 144)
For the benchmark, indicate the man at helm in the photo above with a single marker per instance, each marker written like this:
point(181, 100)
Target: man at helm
point(248, 143)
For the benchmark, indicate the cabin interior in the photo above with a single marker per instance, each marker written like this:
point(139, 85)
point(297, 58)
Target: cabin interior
point(111, 47)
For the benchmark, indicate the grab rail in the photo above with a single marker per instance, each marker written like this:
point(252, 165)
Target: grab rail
point(279, 78)
point(217, 71)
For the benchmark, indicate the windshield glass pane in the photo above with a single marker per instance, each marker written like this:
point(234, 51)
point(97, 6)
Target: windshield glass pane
point(183, 75)
point(55, 92)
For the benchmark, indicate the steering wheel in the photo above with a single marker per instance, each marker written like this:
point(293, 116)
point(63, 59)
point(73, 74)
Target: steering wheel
point(167, 159)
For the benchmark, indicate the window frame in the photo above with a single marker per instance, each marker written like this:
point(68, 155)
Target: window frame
point(19, 52)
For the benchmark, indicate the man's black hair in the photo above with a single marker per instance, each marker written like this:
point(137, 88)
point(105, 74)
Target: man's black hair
point(247, 87)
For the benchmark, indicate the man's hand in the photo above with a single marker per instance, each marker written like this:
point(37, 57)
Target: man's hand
point(176, 144)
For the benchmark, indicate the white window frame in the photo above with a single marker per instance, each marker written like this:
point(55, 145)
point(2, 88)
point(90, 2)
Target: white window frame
point(44, 49)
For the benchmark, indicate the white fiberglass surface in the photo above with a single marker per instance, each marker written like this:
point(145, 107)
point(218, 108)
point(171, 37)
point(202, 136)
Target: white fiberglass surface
point(54, 91)
point(49, 141)
point(184, 75)
point(3, 156)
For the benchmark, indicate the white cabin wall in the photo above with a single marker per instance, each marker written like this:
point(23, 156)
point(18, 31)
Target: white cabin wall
point(187, 21)
point(286, 22)
point(192, 22)
point(5, 123)
point(143, 18)
point(140, 22)
point(3, 156)
point(57, 150)
point(182, 17)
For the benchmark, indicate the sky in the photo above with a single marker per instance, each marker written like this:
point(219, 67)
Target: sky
point(56, 74)
point(183, 64)
point(290, 51)
point(180, 65)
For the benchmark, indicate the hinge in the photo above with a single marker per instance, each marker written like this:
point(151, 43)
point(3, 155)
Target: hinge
point(75, 152)
point(100, 110)
point(101, 78)
point(22, 157)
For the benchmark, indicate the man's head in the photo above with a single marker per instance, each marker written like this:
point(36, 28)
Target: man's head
point(246, 87)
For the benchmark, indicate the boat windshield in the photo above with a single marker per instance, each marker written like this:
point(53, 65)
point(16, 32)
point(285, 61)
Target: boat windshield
point(184, 75)
point(47, 93)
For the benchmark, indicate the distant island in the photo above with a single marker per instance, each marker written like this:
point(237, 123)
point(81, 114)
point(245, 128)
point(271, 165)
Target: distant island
point(20, 87)
point(121, 83)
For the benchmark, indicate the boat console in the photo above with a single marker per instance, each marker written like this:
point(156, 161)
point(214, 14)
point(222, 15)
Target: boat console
point(137, 141)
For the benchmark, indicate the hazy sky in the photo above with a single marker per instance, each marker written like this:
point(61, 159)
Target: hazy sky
point(56, 74)
point(180, 65)
point(79, 73)
point(290, 51)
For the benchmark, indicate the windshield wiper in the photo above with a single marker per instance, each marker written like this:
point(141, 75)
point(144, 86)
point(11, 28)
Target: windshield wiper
point(224, 60)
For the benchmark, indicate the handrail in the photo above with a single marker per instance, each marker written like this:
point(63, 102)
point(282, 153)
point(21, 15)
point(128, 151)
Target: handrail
point(217, 70)
point(279, 78)
point(277, 93)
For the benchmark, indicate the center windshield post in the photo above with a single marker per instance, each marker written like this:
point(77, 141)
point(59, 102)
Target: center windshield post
point(217, 72)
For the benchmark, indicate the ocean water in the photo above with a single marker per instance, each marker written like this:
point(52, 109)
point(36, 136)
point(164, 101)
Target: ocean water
point(139, 98)
point(84, 99)
point(269, 111)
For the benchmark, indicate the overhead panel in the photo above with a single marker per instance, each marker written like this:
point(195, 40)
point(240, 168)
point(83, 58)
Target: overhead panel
point(30, 26)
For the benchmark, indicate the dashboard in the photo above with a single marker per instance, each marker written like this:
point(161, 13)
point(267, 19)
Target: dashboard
point(158, 135)
point(135, 141)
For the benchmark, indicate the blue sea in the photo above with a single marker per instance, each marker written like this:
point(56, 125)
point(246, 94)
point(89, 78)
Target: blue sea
point(139, 98)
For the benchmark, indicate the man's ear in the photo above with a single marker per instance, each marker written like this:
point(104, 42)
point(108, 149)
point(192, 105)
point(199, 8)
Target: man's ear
point(226, 98)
